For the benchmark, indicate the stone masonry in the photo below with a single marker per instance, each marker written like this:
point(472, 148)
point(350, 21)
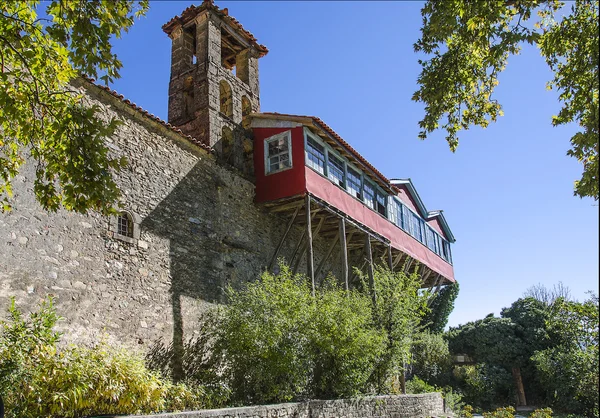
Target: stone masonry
point(402, 406)
point(197, 227)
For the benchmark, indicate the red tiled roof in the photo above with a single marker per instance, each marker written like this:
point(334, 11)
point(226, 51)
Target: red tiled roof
point(150, 115)
point(346, 145)
point(191, 12)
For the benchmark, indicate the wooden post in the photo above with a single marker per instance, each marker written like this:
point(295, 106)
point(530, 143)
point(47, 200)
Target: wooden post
point(303, 250)
point(370, 267)
point(283, 238)
point(344, 252)
point(390, 258)
point(310, 271)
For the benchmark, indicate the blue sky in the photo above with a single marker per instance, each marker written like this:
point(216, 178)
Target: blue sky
point(507, 192)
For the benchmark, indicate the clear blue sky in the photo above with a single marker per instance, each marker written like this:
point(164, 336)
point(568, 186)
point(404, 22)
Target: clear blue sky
point(507, 192)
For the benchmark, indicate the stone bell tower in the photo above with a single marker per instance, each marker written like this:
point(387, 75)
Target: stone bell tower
point(214, 79)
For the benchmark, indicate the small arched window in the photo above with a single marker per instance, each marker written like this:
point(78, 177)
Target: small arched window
point(125, 225)
point(226, 101)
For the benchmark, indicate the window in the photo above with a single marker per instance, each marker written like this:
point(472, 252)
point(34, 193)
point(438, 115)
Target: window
point(125, 225)
point(395, 212)
point(335, 169)
point(353, 183)
point(278, 152)
point(369, 195)
point(416, 227)
point(315, 155)
point(226, 104)
point(406, 215)
point(381, 202)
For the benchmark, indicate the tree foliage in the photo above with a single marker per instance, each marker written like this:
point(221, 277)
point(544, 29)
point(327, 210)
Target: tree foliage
point(468, 45)
point(42, 116)
point(570, 369)
point(398, 308)
point(440, 308)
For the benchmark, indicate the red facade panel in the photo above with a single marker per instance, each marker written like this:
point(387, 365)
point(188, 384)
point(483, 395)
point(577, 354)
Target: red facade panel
point(334, 195)
point(435, 224)
point(287, 183)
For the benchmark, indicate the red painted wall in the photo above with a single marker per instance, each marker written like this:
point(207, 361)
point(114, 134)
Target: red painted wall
point(336, 196)
point(435, 224)
point(282, 184)
point(407, 199)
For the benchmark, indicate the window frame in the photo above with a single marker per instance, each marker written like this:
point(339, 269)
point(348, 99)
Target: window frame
point(287, 135)
point(309, 162)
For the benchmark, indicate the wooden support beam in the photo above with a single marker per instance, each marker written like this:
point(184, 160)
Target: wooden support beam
point(310, 270)
point(300, 242)
point(285, 234)
point(390, 258)
point(287, 206)
point(439, 279)
point(305, 245)
point(326, 257)
point(370, 272)
point(407, 264)
point(344, 252)
point(398, 258)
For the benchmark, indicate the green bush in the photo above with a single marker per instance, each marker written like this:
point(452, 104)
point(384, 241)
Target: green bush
point(38, 379)
point(541, 413)
point(398, 307)
point(275, 342)
point(505, 412)
point(430, 357)
point(416, 385)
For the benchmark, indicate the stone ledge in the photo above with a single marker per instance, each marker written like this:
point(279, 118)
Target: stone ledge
point(393, 406)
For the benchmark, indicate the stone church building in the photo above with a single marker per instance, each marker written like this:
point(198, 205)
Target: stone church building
point(211, 198)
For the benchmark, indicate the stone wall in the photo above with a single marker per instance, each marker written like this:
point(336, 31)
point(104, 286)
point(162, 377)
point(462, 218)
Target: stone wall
point(403, 406)
point(199, 231)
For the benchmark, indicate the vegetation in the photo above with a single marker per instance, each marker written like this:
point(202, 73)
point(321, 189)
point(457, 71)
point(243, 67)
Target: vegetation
point(42, 116)
point(37, 378)
point(440, 308)
point(398, 309)
point(468, 45)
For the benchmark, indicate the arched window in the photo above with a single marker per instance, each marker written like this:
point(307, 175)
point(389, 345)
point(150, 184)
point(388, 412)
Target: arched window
point(246, 110)
point(125, 224)
point(227, 144)
point(225, 99)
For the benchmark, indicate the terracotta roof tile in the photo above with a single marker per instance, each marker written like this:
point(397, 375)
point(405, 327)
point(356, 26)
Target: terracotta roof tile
point(150, 115)
point(191, 12)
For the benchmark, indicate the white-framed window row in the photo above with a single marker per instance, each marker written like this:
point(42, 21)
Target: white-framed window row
point(328, 163)
point(278, 153)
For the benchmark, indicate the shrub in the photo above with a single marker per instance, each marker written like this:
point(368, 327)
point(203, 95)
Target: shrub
point(506, 412)
point(397, 311)
point(37, 379)
point(416, 385)
point(430, 357)
point(276, 342)
point(541, 413)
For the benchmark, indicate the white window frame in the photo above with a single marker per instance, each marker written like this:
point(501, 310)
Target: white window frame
point(287, 135)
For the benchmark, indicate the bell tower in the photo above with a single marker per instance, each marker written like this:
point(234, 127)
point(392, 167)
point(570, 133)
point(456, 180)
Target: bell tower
point(214, 79)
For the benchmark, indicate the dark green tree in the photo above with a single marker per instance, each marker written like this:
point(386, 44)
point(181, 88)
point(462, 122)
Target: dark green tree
point(468, 44)
point(509, 341)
